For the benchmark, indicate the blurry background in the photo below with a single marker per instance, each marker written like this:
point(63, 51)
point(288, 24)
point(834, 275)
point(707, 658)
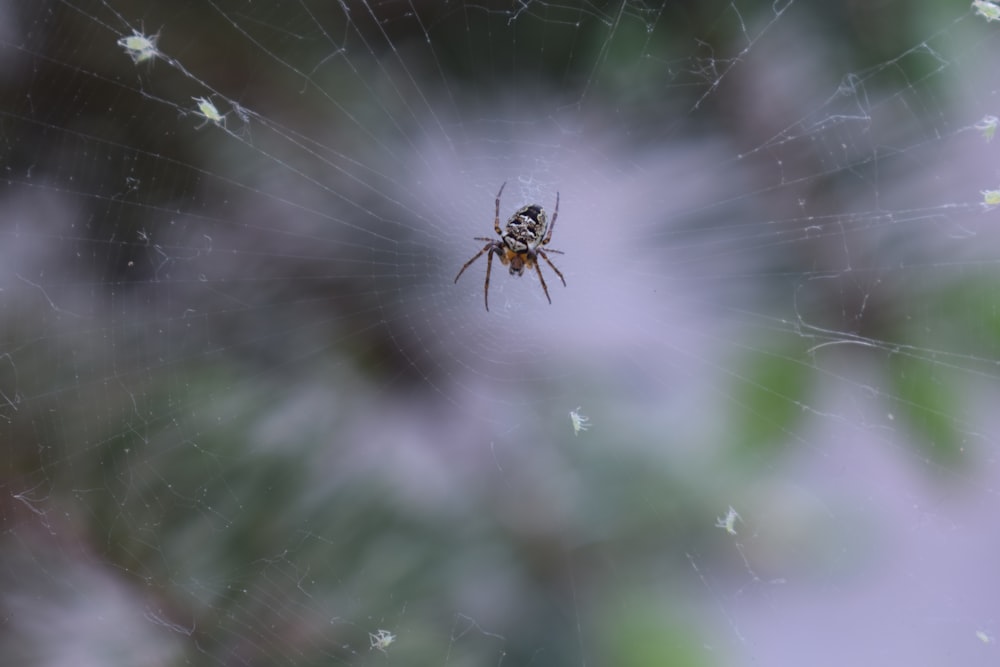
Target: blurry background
point(247, 417)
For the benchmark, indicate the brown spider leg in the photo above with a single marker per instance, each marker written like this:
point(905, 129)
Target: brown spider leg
point(496, 216)
point(474, 257)
point(486, 286)
point(542, 254)
point(545, 288)
point(552, 225)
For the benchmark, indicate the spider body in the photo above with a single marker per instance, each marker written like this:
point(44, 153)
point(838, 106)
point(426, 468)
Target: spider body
point(520, 244)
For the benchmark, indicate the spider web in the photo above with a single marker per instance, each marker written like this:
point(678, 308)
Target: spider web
point(248, 417)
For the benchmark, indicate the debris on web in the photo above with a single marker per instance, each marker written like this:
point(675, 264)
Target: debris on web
point(580, 422)
point(139, 47)
point(987, 9)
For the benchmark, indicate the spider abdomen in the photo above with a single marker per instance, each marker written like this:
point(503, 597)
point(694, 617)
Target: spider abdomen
point(526, 228)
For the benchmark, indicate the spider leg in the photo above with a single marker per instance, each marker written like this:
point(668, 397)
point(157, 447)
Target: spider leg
point(542, 254)
point(474, 257)
point(496, 217)
point(552, 225)
point(486, 286)
point(545, 288)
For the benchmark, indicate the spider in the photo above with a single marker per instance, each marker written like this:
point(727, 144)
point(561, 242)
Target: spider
point(520, 244)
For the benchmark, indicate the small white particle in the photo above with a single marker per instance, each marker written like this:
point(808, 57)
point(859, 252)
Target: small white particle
point(728, 522)
point(380, 639)
point(987, 9)
point(208, 111)
point(139, 47)
point(580, 422)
